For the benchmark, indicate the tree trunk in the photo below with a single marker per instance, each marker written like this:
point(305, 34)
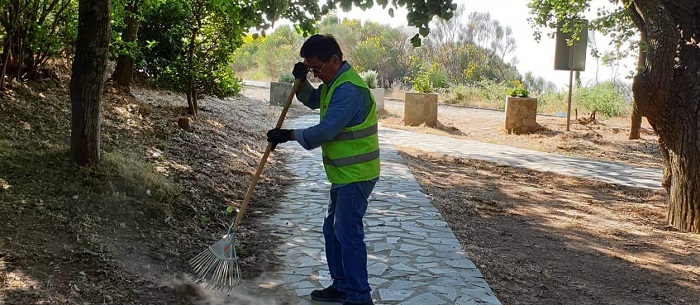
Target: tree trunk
point(636, 117)
point(667, 92)
point(635, 123)
point(191, 92)
point(125, 62)
point(87, 79)
point(5, 61)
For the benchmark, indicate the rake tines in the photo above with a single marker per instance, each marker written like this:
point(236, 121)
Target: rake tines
point(218, 265)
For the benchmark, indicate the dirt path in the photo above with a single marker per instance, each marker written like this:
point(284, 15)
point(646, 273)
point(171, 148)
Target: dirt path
point(541, 238)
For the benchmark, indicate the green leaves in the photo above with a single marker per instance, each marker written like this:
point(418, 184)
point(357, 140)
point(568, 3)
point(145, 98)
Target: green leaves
point(424, 31)
point(416, 41)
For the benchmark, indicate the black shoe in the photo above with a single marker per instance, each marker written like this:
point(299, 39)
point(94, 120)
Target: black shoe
point(329, 294)
point(365, 303)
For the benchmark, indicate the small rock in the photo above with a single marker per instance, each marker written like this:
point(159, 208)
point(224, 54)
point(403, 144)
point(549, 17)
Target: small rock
point(76, 197)
point(108, 298)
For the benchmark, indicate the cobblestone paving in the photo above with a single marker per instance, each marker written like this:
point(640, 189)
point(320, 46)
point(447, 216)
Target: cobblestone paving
point(414, 258)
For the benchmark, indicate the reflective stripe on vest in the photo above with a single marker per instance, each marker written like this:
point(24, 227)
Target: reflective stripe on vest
point(357, 134)
point(352, 159)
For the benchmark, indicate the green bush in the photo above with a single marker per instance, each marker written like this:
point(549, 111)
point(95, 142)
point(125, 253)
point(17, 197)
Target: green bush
point(370, 78)
point(518, 92)
point(607, 98)
point(221, 82)
point(286, 78)
point(438, 78)
point(422, 84)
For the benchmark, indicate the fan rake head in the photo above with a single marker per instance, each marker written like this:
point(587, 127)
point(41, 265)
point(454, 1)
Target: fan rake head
point(217, 266)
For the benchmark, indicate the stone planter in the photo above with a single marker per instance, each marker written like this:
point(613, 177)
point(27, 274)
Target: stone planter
point(420, 108)
point(521, 115)
point(378, 94)
point(279, 93)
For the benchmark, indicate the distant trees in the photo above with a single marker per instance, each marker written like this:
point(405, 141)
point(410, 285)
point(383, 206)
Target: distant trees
point(463, 50)
point(32, 32)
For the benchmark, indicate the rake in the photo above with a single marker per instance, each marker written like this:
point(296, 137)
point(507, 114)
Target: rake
point(218, 265)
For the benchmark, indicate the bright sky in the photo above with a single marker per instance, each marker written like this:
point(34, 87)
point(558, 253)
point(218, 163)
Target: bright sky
point(531, 55)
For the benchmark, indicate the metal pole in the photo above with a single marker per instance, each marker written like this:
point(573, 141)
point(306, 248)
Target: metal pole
point(568, 112)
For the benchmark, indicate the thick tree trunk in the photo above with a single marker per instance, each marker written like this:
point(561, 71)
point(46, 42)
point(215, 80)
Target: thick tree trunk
point(125, 62)
point(667, 92)
point(87, 79)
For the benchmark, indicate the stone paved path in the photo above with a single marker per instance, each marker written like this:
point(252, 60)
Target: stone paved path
point(611, 172)
point(414, 258)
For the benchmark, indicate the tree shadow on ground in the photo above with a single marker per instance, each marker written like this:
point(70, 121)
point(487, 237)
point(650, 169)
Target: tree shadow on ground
point(542, 238)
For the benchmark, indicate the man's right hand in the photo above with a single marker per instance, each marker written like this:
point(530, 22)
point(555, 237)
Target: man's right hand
point(300, 71)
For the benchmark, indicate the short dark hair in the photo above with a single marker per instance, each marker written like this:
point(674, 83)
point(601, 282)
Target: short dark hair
point(321, 46)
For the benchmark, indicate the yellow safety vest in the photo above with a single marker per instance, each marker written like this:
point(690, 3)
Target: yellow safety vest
point(353, 154)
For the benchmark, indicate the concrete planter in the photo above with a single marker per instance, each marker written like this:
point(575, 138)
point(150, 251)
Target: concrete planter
point(420, 108)
point(279, 92)
point(378, 94)
point(520, 115)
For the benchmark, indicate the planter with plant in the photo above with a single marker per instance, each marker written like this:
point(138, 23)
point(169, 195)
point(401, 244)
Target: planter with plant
point(279, 90)
point(521, 111)
point(370, 78)
point(420, 106)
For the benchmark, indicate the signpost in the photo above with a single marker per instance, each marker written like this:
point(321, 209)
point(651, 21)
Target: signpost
point(571, 58)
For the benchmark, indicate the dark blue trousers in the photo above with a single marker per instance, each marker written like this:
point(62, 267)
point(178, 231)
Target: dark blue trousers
point(344, 235)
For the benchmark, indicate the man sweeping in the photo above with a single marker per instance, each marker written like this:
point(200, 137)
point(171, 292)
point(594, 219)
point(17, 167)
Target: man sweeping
point(347, 135)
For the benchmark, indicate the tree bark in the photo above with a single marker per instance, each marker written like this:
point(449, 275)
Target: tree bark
point(636, 117)
point(125, 62)
point(5, 61)
point(667, 92)
point(87, 79)
point(635, 123)
point(191, 85)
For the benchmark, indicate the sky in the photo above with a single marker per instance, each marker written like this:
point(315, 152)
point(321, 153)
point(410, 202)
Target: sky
point(537, 57)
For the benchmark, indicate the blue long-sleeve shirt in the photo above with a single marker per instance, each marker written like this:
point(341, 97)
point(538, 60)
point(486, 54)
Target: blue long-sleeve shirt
point(349, 106)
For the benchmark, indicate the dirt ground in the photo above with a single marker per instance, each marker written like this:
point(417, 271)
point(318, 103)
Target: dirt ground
point(604, 139)
point(541, 238)
point(123, 231)
point(120, 232)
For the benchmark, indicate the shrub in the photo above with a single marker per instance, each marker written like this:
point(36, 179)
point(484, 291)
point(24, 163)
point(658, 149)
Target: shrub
point(423, 84)
point(438, 78)
point(286, 78)
point(518, 92)
point(370, 78)
point(607, 97)
point(518, 89)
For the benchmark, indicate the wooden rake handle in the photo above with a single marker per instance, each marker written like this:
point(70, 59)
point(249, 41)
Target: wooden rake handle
point(251, 188)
